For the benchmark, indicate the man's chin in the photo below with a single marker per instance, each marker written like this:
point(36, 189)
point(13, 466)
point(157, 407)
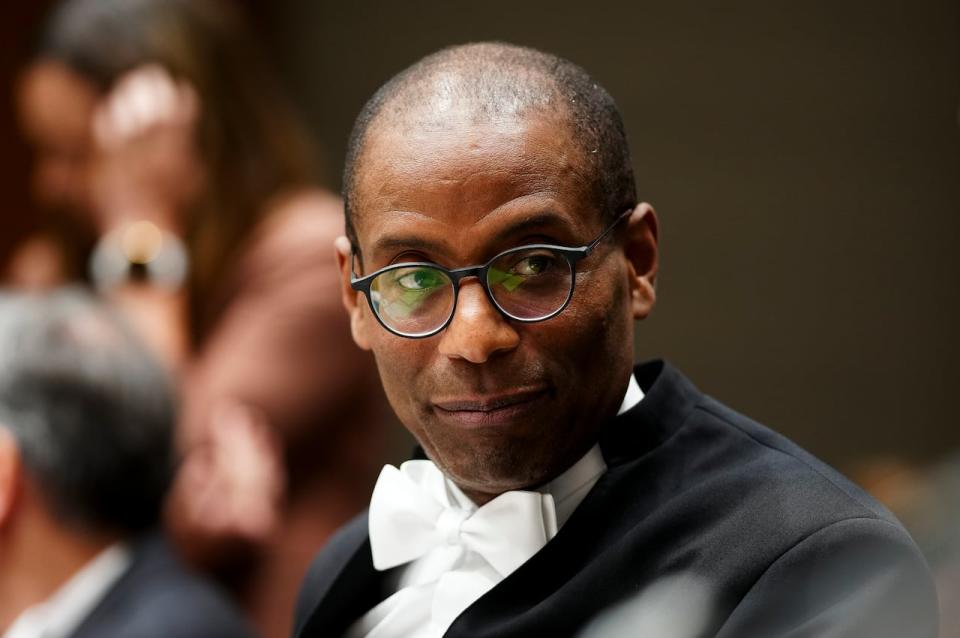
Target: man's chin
point(494, 471)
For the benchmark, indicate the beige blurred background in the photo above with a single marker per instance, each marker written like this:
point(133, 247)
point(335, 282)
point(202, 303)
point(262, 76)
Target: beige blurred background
point(803, 158)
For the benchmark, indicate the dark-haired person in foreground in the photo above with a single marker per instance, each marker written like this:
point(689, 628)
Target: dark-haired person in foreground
point(496, 260)
point(86, 422)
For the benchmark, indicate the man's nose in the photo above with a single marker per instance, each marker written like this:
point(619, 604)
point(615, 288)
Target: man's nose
point(477, 330)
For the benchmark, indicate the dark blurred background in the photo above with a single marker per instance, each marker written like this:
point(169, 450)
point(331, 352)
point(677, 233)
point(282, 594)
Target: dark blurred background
point(803, 159)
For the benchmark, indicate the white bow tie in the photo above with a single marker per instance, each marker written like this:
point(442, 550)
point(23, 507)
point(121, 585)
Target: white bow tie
point(406, 521)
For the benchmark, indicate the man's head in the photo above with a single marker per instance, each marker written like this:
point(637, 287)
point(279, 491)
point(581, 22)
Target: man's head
point(493, 81)
point(85, 417)
point(473, 151)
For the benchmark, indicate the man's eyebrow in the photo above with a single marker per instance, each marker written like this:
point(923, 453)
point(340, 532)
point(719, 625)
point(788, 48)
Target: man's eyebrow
point(542, 220)
point(392, 243)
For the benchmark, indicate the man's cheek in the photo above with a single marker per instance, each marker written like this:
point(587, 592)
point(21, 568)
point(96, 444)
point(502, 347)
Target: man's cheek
point(401, 382)
point(570, 335)
point(387, 367)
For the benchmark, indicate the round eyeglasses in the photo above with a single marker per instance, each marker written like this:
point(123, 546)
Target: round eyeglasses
point(527, 284)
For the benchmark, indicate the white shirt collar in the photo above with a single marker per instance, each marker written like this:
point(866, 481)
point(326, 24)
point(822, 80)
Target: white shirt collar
point(60, 614)
point(632, 397)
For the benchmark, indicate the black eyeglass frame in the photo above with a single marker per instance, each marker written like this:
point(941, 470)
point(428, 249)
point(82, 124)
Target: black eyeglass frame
point(572, 255)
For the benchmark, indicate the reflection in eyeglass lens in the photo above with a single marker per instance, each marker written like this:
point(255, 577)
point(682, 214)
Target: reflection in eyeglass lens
point(530, 284)
point(409, 299)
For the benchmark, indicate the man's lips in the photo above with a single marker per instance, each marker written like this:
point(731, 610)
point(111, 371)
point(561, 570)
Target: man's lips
point(490, 409)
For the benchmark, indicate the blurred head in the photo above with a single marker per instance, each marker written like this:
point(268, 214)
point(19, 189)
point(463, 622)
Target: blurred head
point(56, 107)
point(249, 143)
point(88, 413)
point(473, 151)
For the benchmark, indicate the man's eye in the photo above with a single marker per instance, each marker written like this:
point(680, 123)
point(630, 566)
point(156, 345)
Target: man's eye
point(532, 265)
point(422, 279)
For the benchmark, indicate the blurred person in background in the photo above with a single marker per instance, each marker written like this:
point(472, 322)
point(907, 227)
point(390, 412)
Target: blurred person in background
point(86, 430)
point(214, 241)
point(925, 498)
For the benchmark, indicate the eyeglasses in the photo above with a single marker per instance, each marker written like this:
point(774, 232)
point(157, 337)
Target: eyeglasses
point(527, 284)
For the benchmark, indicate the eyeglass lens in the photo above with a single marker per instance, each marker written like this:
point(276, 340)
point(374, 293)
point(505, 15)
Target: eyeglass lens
point(413, 300)
point(530, 284)
point(526, 284)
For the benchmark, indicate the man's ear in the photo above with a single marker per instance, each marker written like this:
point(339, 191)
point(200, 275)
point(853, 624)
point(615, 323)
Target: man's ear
point(352, 300)
point(9, 475)
point(640, 248)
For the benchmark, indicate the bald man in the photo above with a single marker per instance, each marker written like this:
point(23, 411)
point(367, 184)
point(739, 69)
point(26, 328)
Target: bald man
point(496, 260)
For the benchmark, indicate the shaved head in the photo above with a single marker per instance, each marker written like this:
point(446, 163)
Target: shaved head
point(475, 84)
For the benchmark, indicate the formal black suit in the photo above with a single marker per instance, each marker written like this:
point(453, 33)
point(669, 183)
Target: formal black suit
point(158, 598)
point(786, 544)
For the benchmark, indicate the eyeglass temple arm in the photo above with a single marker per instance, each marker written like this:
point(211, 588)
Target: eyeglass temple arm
point(355, 280)
point(596, 242)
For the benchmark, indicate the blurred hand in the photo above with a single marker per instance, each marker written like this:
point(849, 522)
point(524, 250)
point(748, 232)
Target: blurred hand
point(146, 165)
point(231, 486)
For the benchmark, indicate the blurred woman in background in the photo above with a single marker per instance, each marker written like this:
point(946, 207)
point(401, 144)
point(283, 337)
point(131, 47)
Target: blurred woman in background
point(156, 122)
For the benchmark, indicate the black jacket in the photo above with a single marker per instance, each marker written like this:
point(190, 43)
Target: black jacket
point(786, 545)
point(158, 598)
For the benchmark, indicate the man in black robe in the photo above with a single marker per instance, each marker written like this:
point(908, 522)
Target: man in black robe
point(495, 262)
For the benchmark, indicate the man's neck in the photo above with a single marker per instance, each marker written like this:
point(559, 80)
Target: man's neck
point(479, 498)
point(37, 556)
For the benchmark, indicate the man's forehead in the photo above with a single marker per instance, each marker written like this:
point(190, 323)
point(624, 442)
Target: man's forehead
point(468, 176)
point(472, 238)
point(466, 125)
point(407, 160)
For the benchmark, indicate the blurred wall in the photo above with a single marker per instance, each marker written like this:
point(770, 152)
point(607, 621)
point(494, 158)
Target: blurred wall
point(803, 158)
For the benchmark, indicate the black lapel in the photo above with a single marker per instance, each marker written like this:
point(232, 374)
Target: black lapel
point(355, 589)
point(669, 398)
